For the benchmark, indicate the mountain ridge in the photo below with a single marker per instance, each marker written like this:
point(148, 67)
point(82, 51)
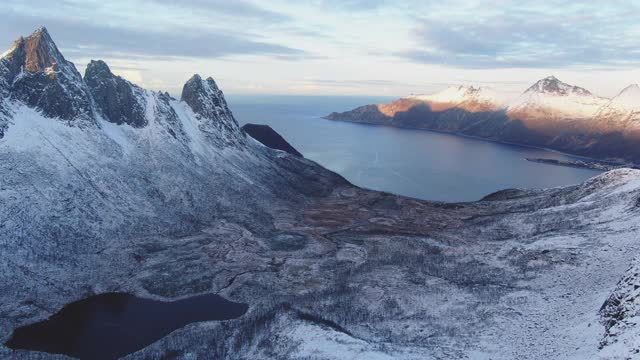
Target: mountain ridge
point(549, 114)
point(552, 85)
point(37, 74)
point(169, 200)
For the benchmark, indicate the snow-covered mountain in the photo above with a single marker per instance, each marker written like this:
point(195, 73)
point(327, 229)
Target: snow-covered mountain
point(91, 161)
point(629, 98)
point(34, 72)
point(466, 97)
point(623, 110)
point(551, 98)
point(550, 114)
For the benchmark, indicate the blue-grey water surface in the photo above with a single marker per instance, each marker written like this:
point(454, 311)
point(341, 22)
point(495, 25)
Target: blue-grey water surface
point(416, 163)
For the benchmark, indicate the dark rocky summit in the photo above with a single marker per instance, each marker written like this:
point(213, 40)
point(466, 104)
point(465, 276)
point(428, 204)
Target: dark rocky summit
point(118, 100)
point(37, 74)
point(270, 138)
point(208, 103)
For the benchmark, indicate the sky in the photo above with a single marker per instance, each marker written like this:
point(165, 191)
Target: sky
point(343, 47)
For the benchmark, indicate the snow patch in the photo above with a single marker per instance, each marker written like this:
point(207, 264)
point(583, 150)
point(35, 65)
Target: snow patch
point(120, 134)
point(460, 94)
point(197, 143)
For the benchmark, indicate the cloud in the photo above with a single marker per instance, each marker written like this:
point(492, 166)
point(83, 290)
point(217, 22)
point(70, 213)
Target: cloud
point(93, 40)
point(530, 37)
point(351, 83)
point(236, 8)
point(351, 5)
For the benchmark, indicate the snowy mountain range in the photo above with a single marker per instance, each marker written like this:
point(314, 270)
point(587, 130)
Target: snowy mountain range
point(465, 97)
point(108, 187)
point(550, 114)
point(552, 98)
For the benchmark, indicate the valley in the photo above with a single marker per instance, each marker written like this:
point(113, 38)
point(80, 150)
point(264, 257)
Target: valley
point(108, 187)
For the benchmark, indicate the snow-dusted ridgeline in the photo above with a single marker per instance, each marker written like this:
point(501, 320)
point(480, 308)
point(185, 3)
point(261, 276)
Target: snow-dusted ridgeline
point(549, 114)
point(547, 98)
point(131, 190)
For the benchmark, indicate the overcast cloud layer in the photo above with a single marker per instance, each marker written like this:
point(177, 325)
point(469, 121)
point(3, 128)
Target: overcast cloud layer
point(343, 47)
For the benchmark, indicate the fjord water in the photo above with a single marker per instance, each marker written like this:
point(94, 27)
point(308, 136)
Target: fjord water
point(416, 163)
point(109, 326)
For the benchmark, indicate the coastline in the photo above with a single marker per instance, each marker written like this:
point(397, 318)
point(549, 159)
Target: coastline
point(581, 164)
point(613, 162)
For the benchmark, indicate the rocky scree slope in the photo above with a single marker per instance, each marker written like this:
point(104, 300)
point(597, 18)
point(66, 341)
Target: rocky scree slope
point(168, 199)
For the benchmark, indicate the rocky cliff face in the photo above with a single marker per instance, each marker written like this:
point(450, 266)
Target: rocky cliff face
point(119, 101)
point(211, 109)
point(550, 114)
point(174, 201)
point(35, 73)
point(621, 316)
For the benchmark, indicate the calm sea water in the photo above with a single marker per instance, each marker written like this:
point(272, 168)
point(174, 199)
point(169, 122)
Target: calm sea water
point(414, 163)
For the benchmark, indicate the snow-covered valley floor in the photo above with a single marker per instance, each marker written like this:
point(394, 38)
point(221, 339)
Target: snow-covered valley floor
point(367, 275)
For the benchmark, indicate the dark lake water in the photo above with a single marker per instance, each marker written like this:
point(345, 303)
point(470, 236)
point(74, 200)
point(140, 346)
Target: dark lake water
point(414, 163)
point(109, 326)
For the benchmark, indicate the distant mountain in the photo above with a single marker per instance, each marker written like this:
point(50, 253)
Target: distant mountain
point(623, 110)
point(465, 97)
point(550, 114)
point(551, 98)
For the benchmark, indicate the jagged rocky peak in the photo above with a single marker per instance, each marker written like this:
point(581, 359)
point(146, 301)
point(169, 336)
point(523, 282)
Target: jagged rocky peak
point(552, 86)
point(118, 100)
point(208, 103)
point(203, 96)
point(42, 54)
point(37, 52)
point(35, 73)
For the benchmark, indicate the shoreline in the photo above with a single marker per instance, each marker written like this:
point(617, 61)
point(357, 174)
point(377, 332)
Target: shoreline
point(612, 162)
point(580, 164)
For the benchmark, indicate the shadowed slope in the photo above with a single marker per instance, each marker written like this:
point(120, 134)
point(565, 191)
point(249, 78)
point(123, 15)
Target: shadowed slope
point(270, 138)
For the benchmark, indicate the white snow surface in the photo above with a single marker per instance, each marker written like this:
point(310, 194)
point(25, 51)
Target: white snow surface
point(628, 98)
point(572, 106)
point(460, 94)
point(552, 314)
point(563, 102)
point(621, 315)
point(623, 109)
